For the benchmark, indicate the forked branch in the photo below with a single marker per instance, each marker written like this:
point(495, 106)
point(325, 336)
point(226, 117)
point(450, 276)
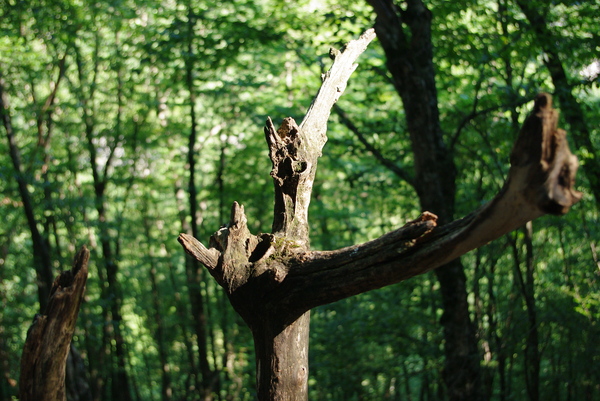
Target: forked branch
point(273, 280)
point(540, 181)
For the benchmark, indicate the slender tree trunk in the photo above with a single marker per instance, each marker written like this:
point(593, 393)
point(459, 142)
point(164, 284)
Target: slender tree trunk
point(120, 383)
point(120, 389)
point(194, 372)
point(526, 284)
point(495, 338)
point(159, 328)
point(483, 333)
point(532, 350)
point(193, 268)
point(99, 366)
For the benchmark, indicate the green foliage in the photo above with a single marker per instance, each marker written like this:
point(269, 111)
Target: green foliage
point(124, 91)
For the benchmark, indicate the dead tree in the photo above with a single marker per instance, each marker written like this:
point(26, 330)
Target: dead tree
point(44, 358)
point(274, 280)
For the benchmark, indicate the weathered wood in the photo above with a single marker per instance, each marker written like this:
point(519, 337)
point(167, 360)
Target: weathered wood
point(540, 181)
point(273, 280)
point(249, 266)
point(44, 358)
point(294, 150)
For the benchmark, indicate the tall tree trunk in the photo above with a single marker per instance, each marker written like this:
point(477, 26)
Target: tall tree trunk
point(120, 385)
point(410, 61)
point(482, 333)
point(99, 366)
point(166, 390)
point(193, 268)
point(182, 309)
point(120, 389)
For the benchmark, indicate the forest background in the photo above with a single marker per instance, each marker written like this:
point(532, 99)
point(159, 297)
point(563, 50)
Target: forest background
point(128, 122)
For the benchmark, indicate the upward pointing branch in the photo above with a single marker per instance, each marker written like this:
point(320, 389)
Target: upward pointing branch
point(334, 84)
point(294, 150)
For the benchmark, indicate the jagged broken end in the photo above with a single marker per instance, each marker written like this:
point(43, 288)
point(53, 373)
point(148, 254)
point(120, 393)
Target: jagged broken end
point(75, 278)
point(542, 165)
point(49, 337)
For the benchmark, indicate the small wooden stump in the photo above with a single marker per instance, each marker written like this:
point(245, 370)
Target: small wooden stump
point(44, 358)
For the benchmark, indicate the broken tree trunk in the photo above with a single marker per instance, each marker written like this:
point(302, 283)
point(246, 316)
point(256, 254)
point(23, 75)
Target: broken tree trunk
point(44, 358)
point(246, 265)
point(273, 280)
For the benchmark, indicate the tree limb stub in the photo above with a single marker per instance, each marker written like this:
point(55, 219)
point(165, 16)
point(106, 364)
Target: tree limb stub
point(44, 357)
point(540, 181)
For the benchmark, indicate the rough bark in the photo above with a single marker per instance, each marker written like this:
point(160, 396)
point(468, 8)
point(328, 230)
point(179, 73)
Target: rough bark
point(44, 358)
point(273, 280)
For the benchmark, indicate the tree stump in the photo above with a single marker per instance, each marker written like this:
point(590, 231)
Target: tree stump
point(44, 358)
